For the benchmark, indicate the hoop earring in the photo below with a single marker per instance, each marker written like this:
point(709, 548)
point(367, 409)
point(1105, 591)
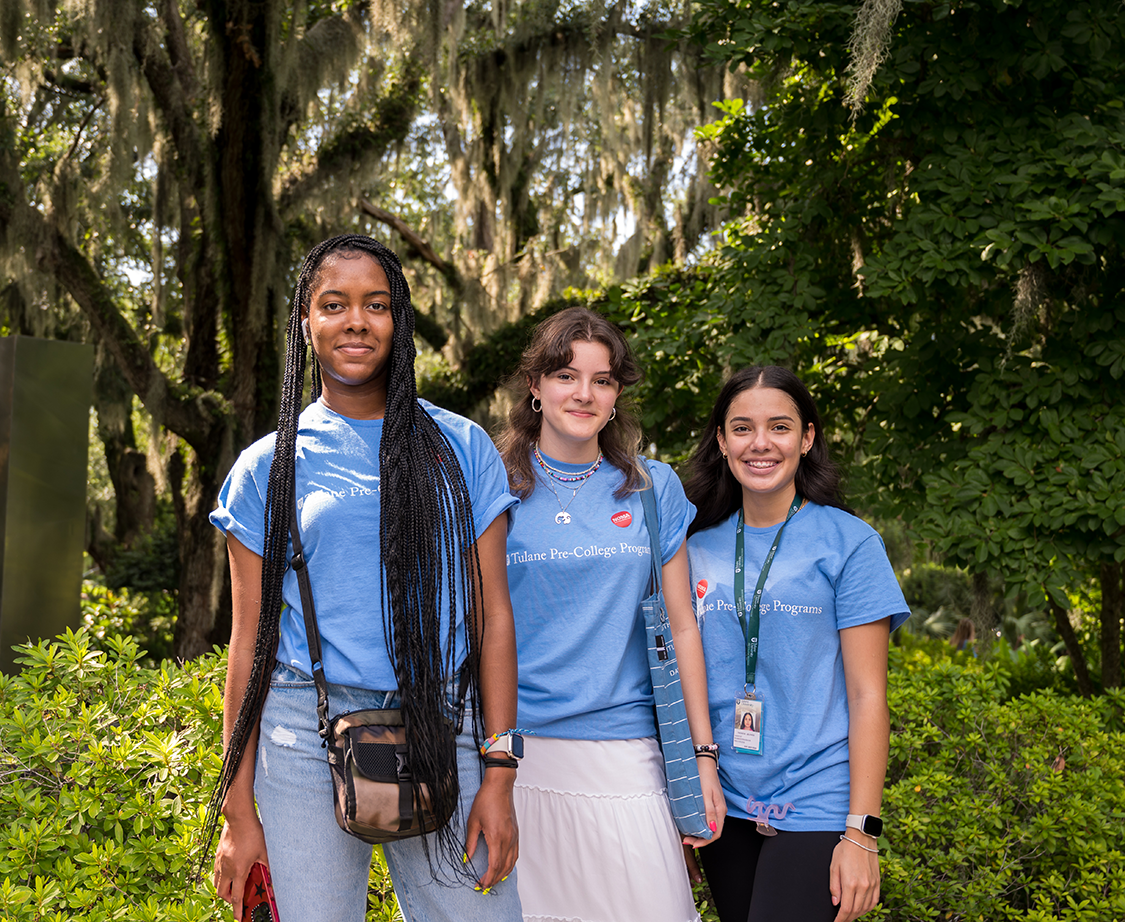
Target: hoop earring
point(534, 408)
point(305, 329)
point(612, 416)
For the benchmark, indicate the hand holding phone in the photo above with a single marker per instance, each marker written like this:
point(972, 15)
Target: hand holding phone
point(258, 904)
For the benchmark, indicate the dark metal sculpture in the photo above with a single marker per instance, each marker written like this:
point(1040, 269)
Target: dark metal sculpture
point(45, 389)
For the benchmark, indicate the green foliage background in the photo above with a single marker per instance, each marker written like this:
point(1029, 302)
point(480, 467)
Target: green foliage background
point(106, 764)
point(998, 806)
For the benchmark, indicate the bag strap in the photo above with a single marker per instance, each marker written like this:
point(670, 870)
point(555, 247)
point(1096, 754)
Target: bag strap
point(652, 520)
point(312, 633)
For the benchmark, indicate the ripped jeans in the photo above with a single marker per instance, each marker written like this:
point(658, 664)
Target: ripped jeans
point(319, 872)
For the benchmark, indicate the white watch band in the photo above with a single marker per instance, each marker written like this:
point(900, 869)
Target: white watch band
point(856, 821)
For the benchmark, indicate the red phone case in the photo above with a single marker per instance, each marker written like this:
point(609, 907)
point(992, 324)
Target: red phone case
point(257, 897)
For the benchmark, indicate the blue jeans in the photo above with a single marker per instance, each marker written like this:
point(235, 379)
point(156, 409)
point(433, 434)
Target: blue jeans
point(319, 871)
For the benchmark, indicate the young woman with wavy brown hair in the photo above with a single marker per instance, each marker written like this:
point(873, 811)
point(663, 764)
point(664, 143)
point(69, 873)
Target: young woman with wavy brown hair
point(598, 841)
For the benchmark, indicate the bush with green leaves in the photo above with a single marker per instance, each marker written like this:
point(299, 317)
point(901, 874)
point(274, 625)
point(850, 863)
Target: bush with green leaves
point(105, 770)
point(148, 617)
point(997, 807)
point(106, 767)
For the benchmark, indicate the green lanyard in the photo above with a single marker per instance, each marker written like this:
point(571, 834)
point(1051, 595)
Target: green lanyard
point(750, 623)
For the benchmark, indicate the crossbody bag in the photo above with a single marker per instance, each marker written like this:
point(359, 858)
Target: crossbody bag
point(368, 752)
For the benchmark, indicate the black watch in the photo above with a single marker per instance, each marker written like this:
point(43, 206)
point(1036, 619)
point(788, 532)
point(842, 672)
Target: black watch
point(866, 823)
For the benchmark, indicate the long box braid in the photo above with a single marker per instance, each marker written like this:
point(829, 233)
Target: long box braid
point(427, 542)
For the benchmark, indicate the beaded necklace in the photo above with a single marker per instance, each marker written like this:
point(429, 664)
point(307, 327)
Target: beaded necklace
point(566, 476)
point(553, 473)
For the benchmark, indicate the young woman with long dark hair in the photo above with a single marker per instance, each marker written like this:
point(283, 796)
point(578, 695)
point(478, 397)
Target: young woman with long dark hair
point(402, 510)
point(795, 601)
point(598, 838)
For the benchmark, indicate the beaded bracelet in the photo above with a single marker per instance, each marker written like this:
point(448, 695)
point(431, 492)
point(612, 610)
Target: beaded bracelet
point(711, 749)
point(495, 736)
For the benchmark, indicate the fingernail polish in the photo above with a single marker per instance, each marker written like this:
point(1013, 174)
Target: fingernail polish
point(714, 826)
point(464, 857)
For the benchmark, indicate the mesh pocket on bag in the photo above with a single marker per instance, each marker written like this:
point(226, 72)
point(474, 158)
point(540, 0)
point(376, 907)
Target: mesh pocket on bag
point(376, 761)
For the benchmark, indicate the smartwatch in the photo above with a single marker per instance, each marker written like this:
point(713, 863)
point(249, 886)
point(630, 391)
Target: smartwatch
point(866, 823)
point(509, 744)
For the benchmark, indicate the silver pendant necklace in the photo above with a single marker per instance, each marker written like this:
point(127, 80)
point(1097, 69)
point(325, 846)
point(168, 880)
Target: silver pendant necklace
point(563, 517)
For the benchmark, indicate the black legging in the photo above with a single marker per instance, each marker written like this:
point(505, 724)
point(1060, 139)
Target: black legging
point(756, 878)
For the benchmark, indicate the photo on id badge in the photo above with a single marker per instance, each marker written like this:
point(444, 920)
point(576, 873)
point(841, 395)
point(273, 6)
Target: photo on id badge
point(748, 725)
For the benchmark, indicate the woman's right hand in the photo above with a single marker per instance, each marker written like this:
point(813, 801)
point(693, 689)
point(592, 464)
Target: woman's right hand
point(241, 843)
point(715, 801)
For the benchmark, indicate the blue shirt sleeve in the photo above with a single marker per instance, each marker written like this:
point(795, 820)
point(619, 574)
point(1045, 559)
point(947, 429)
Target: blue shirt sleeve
point(485, 474)
point(867, 589)
point(242, 500)
point(676, 513)
point(489, 487)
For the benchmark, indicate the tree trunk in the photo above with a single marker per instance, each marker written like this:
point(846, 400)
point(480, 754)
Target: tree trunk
point(202, 558)
point(1112, 597)
point(983, 613)
point(134, 488)
point(1062, 622)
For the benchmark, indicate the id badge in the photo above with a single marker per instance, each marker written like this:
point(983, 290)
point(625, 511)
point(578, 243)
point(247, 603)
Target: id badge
point(748, 726)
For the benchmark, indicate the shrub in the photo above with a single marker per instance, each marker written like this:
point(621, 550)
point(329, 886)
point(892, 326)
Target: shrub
point(148, 617)
point(105, 769)
point(1000, 808)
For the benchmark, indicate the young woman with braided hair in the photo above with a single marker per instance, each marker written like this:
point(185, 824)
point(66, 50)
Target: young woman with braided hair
point(402, 509)
point(598, 843)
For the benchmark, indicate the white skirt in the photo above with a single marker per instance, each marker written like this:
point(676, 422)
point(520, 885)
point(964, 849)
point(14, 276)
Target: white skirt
point(597, 840)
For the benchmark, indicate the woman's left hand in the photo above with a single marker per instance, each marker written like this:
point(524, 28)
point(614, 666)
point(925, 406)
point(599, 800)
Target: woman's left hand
point(854, 879)
point(714, 800)
point(493, 814)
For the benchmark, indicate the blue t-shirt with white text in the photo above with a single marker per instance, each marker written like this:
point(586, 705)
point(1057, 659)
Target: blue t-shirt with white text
point(338, 510)
point(583, 667)
point(830, 573)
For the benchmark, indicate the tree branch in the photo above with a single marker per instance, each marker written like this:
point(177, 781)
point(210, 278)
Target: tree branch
point(360, 142)
point(178, 51)
point(400, 227)
point(172, 100)
point(1073, 647)
point(194, 417)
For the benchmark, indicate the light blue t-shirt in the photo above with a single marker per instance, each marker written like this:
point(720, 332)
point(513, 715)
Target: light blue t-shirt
point(583, 669)
point(830, 573)
point(338, 514)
